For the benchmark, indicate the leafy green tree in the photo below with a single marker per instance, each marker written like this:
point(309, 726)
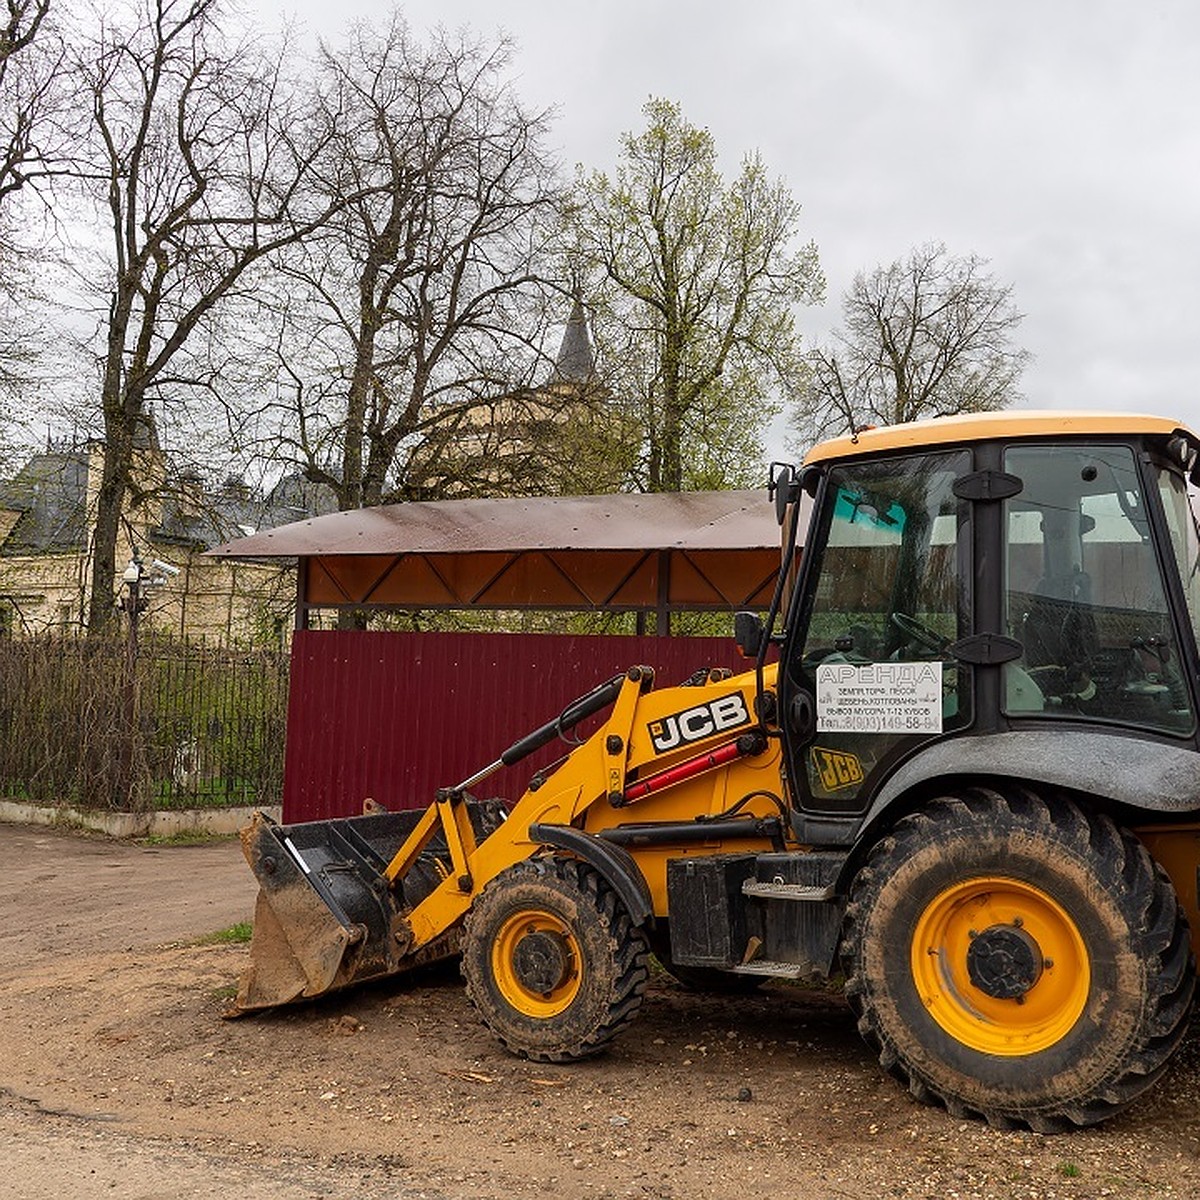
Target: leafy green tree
point(929, 336)
point(694, 282)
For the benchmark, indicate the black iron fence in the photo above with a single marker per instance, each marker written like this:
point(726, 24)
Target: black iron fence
point(165, 724)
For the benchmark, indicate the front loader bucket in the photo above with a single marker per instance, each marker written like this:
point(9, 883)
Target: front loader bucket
point(326, 916)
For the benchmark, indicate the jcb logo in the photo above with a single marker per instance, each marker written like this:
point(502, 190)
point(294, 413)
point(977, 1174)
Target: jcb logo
point(836, 769)
point(703, 721)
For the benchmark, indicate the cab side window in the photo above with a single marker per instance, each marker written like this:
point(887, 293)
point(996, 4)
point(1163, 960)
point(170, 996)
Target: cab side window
point(1085, 594)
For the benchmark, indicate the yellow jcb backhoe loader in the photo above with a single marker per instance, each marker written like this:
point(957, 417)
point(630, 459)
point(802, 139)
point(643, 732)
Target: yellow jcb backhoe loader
point(964, 770)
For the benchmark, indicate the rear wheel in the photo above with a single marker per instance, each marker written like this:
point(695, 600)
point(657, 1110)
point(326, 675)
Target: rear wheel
point(552, 961)
point(1018, 960)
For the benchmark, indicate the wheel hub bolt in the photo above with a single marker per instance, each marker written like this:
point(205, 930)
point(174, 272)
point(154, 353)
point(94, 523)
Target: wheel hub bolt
point(1004, 962)
point(541, 961)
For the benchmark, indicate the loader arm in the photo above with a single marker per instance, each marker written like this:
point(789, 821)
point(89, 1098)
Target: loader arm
point(365, 897)
point(617, 772)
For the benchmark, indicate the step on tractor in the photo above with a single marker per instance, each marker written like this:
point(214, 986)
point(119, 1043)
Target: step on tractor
point(962, 771)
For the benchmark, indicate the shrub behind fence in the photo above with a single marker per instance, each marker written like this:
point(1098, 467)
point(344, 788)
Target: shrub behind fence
point(191, 725)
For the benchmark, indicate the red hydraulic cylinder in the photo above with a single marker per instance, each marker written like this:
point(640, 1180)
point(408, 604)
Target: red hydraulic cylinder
point(686, 770)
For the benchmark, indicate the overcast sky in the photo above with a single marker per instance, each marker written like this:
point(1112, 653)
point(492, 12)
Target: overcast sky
point(1060, 139)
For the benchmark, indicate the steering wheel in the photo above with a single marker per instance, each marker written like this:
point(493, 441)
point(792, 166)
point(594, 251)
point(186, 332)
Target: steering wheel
point(919, 633)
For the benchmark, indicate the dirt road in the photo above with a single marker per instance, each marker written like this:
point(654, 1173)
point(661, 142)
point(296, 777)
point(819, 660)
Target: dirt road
point(118, 1077)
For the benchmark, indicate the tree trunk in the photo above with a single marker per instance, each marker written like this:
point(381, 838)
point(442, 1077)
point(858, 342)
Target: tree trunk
point(114, 477)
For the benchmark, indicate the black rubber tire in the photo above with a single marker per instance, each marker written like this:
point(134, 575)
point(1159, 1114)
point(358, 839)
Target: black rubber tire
point(613, 959)
point(1133, 930)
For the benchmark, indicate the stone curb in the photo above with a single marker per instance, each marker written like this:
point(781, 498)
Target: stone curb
point(198, 821)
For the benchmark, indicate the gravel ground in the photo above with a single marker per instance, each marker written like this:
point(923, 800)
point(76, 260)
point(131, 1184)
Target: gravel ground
point(118, 1077)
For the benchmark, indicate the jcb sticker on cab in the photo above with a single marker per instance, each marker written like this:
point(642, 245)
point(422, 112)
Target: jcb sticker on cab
point(836, 768)
point(726, 712)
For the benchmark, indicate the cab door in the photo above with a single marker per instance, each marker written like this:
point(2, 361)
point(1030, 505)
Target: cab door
point(866, 673)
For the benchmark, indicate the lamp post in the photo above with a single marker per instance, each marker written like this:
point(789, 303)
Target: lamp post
point(132, 602)
point(137, 582)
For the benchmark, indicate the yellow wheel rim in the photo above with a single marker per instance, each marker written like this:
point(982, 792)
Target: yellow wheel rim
point(1000, 966)
point(536, 963)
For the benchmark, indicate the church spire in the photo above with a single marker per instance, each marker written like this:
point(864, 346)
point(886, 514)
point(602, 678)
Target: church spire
point(575, 362)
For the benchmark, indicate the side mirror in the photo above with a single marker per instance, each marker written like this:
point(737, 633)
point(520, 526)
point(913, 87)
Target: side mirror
point(748, 631)
point(780, 488)
point(786, 483)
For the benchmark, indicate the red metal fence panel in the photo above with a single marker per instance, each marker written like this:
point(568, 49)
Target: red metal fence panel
point(395, 716)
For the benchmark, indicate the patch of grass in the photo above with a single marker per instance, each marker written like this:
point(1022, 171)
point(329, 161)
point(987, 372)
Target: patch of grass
point(192, 837)
point(1069, 1169)
point(223, 993)
point(235, 934)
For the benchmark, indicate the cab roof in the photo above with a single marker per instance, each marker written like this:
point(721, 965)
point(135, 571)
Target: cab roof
point(978, 427)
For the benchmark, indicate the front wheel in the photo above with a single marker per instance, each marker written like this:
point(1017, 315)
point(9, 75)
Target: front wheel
point(552, 960)
point(1018, 960)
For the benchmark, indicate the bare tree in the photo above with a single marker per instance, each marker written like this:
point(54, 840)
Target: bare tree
point(695, 283)
point(564, 437)
point(35, 121)
point(926, 337)
point(196, 160)
point(32, 75)
point(422, 303)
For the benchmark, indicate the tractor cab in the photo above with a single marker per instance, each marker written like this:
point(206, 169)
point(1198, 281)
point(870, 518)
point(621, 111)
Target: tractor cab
point(1006, 574)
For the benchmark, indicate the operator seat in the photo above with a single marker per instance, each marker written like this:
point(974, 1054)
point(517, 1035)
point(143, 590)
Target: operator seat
point(1058, 630)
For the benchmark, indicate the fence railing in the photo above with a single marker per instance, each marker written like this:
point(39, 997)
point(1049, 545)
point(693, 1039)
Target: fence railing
point(171, 725)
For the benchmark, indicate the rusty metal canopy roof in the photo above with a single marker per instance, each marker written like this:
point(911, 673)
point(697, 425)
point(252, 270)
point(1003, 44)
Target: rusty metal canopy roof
point(666, 550)
point(687, 520)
